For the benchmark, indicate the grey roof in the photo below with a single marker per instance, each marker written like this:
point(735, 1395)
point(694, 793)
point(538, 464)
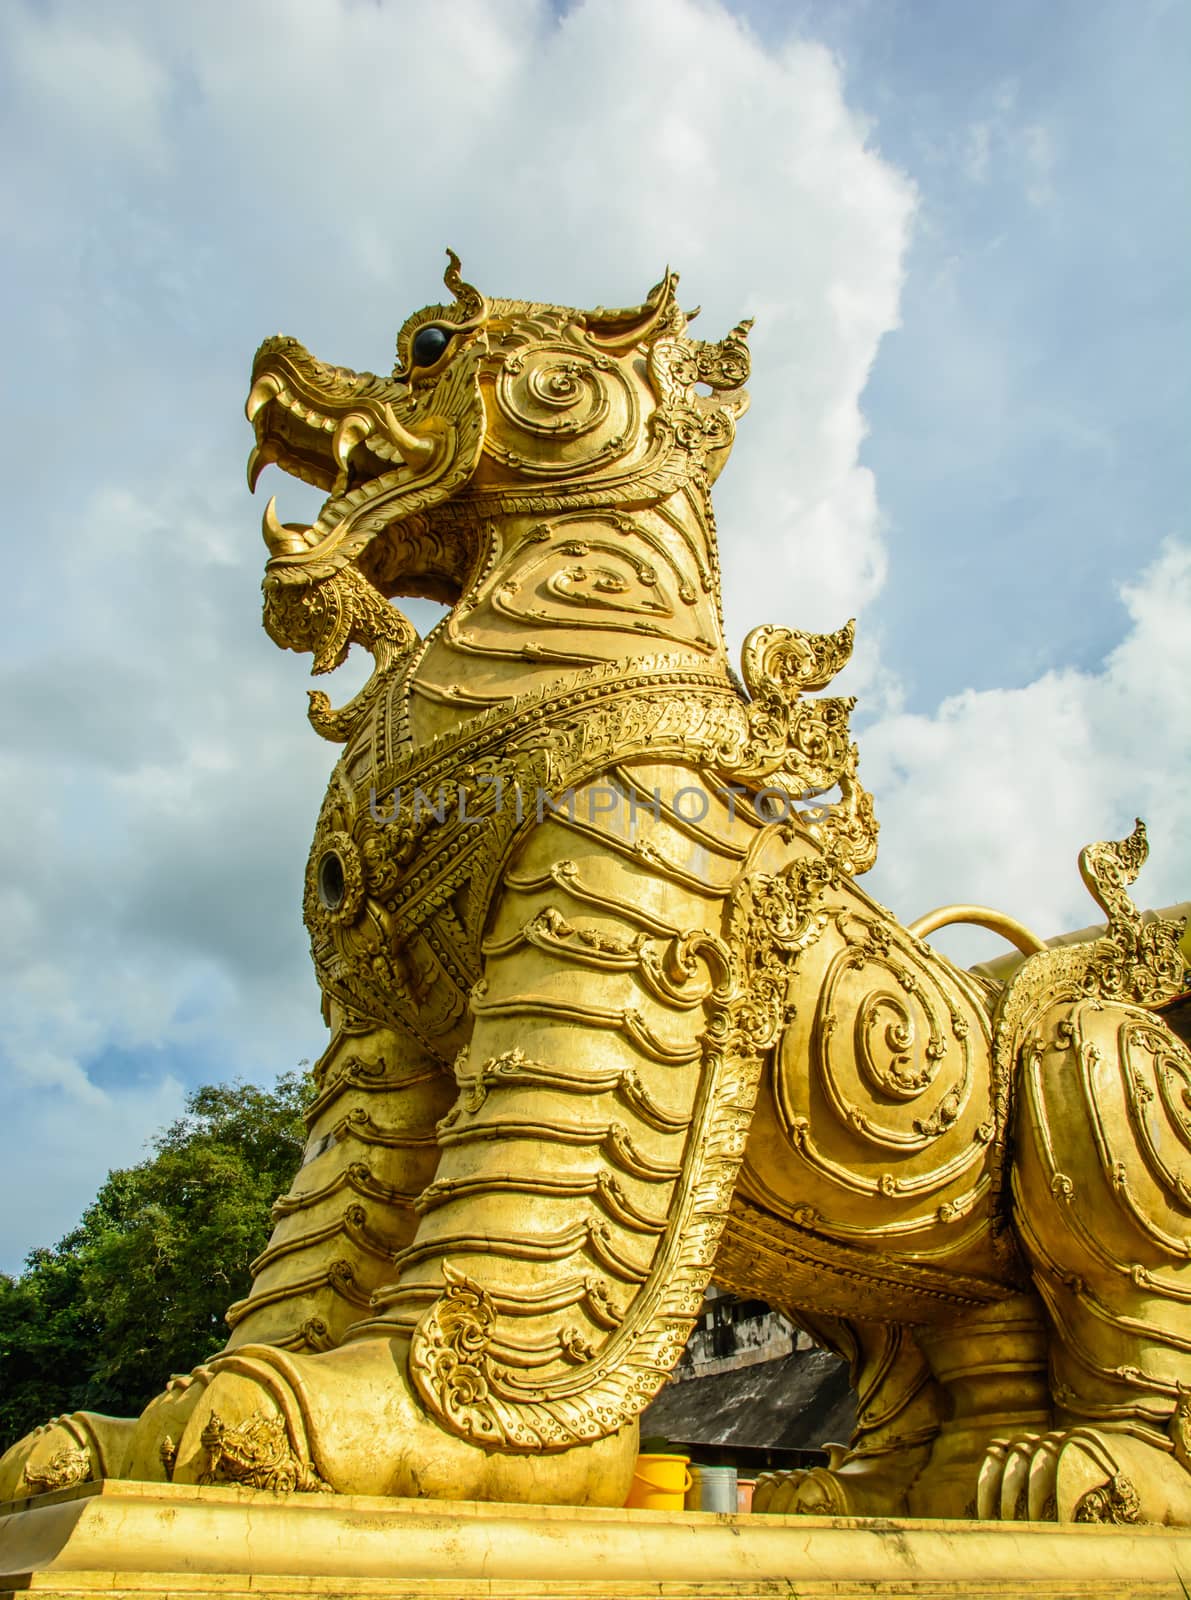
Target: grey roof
point(799, 1402)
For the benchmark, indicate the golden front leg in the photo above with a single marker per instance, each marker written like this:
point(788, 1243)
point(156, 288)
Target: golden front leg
point(899, 1409)
point(371, 1150)
point(568, 1233)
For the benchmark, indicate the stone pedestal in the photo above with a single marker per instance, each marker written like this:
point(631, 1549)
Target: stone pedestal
point(117, 1539)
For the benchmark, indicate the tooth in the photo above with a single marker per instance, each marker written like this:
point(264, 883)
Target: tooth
point(271, 529)
point(281, 541)
point(266, 388)
point(413, 451)
point(348, 434)
point(258, 459)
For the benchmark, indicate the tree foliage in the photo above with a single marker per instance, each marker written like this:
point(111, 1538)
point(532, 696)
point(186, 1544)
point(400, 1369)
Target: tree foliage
point(138, 1290)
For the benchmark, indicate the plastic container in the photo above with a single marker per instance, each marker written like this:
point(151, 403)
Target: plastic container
point(712, 1489)
point(660, 1483)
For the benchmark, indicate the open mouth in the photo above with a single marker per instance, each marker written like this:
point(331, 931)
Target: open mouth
point(350, 434)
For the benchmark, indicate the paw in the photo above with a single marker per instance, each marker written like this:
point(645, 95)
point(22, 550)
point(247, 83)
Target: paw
point(778, 1492)
point(348, 1421)
point(1016, 1480)
point(153, 1448)
point(857, 1489)
point(1082, 1474)
point(61, 1454)
point(241, 1426)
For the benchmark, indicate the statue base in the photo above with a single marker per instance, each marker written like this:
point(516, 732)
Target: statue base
point(119, 1539)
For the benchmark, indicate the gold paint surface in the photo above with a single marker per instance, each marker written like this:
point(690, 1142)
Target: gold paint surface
point(611, 1017)
point(124, 1539)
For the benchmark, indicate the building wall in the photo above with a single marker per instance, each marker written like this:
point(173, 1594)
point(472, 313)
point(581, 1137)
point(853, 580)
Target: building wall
point(733, 1333)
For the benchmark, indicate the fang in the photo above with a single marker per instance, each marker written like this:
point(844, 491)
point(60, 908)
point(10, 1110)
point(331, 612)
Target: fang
point(258, 459)
point(266, 388)
point(416, 453)
point(281, 541)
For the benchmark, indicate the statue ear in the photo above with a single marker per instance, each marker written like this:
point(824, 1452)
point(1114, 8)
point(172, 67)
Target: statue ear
point(470, 307)
point(618, 331)
point(725, 364)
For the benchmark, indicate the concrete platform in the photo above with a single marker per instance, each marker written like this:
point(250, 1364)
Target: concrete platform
point(117, 1539)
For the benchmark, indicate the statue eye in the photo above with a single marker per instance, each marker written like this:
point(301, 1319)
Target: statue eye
point(429, 343)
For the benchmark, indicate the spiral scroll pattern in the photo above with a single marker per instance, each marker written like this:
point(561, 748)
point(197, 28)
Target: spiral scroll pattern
point(561, 408)
point(879, 1093)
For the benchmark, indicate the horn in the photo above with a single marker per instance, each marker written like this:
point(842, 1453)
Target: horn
point(621, 330)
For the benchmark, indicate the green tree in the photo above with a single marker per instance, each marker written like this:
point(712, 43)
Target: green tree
point(138, 1290)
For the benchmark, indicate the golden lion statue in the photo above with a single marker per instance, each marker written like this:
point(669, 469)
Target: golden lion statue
point(610, 1016)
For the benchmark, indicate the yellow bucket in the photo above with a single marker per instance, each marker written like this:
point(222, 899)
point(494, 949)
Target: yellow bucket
point(660, 1483)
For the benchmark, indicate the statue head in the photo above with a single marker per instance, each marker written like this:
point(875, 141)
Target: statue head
point(493, 407)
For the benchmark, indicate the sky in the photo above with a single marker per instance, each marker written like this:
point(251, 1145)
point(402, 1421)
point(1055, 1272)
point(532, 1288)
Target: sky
point(962, 230)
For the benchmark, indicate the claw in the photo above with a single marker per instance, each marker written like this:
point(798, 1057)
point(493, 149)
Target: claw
point(266, 388)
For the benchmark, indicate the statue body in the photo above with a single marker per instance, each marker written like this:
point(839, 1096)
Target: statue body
point(611, 1017)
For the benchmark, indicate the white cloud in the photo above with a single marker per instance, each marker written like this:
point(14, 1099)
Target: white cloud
point(96, 79)
point(991, 799)
point(1002, 143)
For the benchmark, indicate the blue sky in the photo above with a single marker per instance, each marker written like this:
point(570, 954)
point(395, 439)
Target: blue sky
point(963, 231)
point(1047, 280)
point(1036, 391)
